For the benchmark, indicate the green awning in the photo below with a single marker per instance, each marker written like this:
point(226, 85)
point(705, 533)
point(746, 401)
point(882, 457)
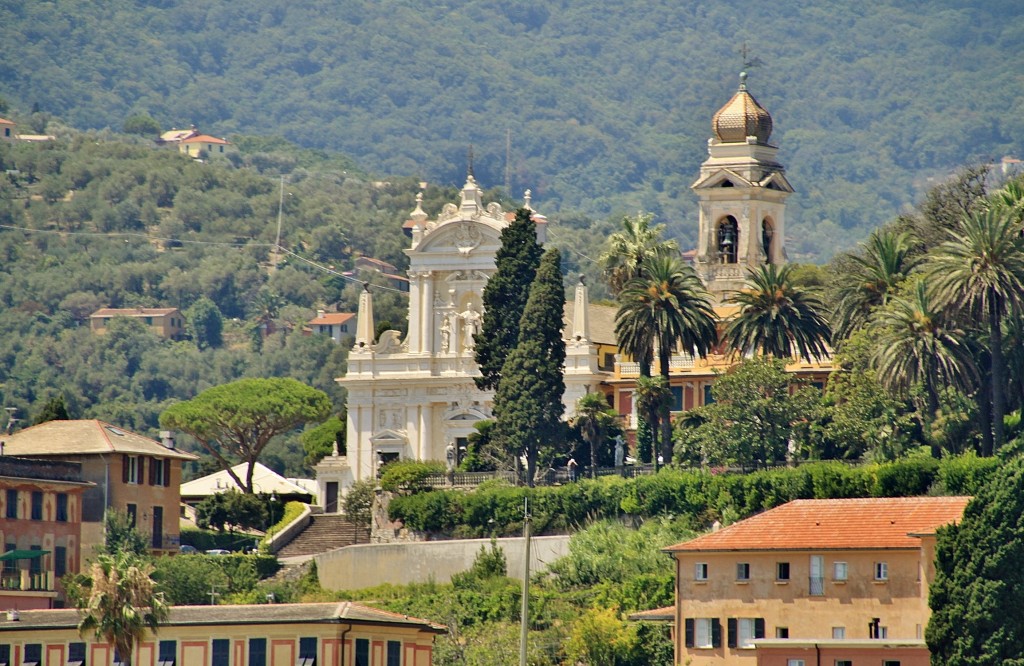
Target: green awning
point(22, 555)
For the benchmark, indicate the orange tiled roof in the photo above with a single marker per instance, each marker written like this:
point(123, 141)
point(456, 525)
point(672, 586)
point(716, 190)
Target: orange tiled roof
point(4, 121)
point(666, 614)
point(205, 138)
point(332, 318)
point(834, 524)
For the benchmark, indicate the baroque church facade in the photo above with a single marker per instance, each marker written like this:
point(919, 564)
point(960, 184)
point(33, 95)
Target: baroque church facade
point(415, 398)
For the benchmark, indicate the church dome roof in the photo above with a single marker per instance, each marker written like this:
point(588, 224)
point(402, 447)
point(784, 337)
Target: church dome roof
point(741, 117)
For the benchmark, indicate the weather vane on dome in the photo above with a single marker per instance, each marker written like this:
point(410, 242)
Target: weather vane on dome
point(749, 60)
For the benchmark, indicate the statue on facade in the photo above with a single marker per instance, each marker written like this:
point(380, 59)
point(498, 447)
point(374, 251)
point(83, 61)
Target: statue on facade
point(446, 335)
point(470, 327)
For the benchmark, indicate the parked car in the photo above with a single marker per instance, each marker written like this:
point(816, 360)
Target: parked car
point(218, 551)
point(186, 549)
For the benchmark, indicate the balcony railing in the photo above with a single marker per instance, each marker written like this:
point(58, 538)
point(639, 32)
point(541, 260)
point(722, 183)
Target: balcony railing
point(26, 581)
point(817, 586)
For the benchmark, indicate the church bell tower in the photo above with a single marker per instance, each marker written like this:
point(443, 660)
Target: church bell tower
point(742, 191)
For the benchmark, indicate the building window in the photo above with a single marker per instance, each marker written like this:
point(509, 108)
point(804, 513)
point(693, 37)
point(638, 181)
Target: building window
point(10, 566)
point(816, 580)
point(221, 652)
point(12, 504)
point(891, 662)
point(62, 507)
point(876, 630)
point(781, 632)
point(362, 652)
point(743, 631)
point(838, 633)
point(133, 512)
point(767, 233)
point(394, 653)
point(840, 571)
point(257, 652)
point(728, 239)
point(76, 654)
point(5, 655)
point(130, 471)
point(703, 632)
point(60, 561)
point(743, 571)
point(844, 662)
point(782, 571)
point(35, 564)
point(157, 472)
point(794, 662)
point(168, 652)
point(33, 654)
point(700, 571)
point(307, 652)
point(881, 571)
point(37, 505)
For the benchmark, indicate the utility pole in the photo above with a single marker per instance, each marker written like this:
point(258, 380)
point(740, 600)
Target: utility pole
point(508, 163)
point(280, 209)
point(524, 612)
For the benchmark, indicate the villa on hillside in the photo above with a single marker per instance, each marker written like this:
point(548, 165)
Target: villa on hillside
point(7, 129)
point(166, 322)
point(811, 582)
point(335, 325)
point(200, 144)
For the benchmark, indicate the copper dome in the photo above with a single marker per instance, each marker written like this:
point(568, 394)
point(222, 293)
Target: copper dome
point(741, 117)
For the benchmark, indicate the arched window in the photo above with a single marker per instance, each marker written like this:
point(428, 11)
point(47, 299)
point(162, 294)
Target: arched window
point(767, 234)
point(728, 239)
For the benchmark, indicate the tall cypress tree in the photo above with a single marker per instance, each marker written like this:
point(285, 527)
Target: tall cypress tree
point(505, 296)
point(528, 405)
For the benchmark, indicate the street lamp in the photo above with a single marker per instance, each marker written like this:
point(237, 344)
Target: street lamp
point(273, 500)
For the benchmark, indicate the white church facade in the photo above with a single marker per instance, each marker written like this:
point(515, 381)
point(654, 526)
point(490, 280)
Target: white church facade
point(413, 398)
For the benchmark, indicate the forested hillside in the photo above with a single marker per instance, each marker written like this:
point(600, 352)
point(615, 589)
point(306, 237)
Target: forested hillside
point(607, 105)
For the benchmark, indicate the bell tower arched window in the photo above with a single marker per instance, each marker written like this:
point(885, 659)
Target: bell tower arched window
point(767, 234)
point(728, 239)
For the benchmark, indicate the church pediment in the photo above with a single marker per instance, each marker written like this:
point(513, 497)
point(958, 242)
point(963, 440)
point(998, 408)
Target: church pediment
point(461, 237)
point(776, 181)
point(388, 437)
point(721, 178)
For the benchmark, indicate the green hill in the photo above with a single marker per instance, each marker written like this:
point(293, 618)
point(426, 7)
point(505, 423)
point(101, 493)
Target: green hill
point(607, 105)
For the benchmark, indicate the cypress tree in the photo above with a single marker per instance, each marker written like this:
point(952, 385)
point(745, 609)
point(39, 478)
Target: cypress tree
point(505, 295)
point(977, 612)
point(528, 404)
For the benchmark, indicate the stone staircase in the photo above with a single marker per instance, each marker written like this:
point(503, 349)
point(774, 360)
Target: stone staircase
point(324, 532)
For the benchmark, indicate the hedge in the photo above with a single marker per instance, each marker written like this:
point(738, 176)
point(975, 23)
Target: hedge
point(698, 495)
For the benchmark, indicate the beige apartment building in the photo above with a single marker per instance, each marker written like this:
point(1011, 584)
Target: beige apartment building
point(165, 322)
point(847, 576)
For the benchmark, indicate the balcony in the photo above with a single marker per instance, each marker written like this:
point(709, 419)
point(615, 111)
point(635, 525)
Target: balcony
point(26, 581)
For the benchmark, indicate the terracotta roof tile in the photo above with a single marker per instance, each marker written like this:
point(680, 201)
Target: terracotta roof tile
point(332, 318)
point(666, 614)
point(834, 524)
point(205, 138)
point(133, 312)
point(335, 612)
point(83, 437)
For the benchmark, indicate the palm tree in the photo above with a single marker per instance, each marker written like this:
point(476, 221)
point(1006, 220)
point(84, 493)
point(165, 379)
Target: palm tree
point(628, 249)
point(870, 277)
point(777, 318)
point(596, 421)
point(979, 273)
point(122, 604)
point(668, 305)
point(912, 345)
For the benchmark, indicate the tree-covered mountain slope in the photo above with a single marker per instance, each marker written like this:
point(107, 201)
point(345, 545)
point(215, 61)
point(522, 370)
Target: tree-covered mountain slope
point(607, 105)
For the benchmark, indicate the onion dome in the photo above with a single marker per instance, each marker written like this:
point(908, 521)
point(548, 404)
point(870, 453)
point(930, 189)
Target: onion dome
point(741, 117)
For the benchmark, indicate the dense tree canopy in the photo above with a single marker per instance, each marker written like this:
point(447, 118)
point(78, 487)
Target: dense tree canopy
point(977, 616)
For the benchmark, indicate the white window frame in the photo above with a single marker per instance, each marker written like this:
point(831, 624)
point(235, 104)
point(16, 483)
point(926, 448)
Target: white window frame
point(794, 662)
point(840, 571)
point(881, 571)
point(745, 632)
point(700, 571)
point(743, 571)
point(838, 633)
point(702, 633)
point(883, 633)
point(133, 470)
point(778, 572)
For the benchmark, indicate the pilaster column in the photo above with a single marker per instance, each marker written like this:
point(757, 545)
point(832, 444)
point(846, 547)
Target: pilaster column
point(427, 312)
point(415, 312)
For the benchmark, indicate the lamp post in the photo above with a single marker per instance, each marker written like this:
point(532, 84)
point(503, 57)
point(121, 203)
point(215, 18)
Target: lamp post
point(273, 501)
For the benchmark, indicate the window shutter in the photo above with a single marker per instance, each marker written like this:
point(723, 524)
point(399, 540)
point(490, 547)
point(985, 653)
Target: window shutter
point(732, 632)
point(689, 632)
point(167, 473)
point(153, 462)
point(759, 627)
point(716, 633)
point(125, 462)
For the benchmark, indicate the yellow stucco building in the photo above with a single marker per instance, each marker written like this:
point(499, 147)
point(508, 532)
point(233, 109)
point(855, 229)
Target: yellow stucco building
point(848, 574)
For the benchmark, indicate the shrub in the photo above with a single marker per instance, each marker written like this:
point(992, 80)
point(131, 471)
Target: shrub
point(409, 476)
